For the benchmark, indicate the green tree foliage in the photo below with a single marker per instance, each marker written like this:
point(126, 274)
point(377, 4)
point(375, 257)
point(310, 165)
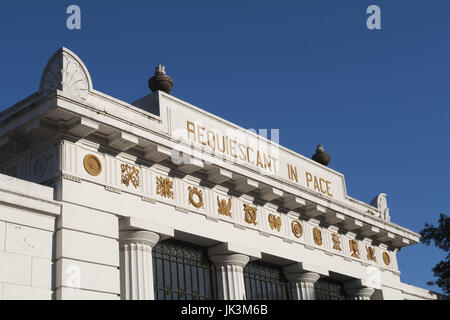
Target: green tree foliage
point(441, 237)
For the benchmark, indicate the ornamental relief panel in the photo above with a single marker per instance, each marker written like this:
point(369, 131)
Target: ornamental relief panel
point(130, 174)
point(44, 164)
point(41, 163)
point(317, 236)
point(250, 213)
point(196, 197)
point(224, 207)
point(164, 187)
point(354, 248)
point(336, 241)
point(371, 254)
point(274, 222)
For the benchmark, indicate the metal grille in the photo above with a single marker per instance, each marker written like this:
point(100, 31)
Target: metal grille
point(265, 282)
point(182, 272)
point(327, 289)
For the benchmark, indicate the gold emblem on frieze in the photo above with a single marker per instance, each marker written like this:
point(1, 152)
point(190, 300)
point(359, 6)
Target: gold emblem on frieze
point(224, 206)
point(130, 174)
point(354, 249)
point(250, 214)
point(92, 165)
point(371, 254)
point(336, 241)
point(198, 194)
point(297, 228)
point(164, 187)
point(275, 222)
point(386, 258)
point(317, 235)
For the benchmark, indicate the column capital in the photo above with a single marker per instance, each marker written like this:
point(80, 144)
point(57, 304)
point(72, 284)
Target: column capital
point(232, 248)
point(300, 270)
point(233, 259)
point(137, 224)
point(309, 277)
point(363, 293)
point(139, 236)
point(357, 290)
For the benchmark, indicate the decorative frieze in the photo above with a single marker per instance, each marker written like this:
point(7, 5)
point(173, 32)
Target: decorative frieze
point(185, 194)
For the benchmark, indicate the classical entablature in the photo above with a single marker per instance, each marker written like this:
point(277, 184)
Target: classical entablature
point(161, 150)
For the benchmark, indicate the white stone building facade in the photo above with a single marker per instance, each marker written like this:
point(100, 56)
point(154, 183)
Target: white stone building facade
point(158, 199)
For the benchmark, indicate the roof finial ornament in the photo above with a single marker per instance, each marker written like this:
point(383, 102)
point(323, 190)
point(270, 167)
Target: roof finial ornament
point(321, 156)
point(160, 81)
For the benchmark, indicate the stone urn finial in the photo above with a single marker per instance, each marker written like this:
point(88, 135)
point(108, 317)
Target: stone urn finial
point(321, 156)
point(160, 81)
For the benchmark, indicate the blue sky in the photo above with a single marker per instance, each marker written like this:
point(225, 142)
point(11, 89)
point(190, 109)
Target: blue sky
point(376, 99)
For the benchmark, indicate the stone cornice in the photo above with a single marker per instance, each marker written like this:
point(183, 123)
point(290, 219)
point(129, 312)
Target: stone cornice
point(25, 201)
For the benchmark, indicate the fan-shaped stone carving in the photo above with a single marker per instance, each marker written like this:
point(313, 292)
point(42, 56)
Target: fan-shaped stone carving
point(380, 202)
point(67, 73)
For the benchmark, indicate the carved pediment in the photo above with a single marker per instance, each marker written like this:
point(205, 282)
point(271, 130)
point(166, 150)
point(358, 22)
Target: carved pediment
point(66, 72)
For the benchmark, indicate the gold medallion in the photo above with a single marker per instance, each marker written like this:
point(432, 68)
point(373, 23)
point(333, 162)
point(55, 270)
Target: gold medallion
point(297, 229)
point(386, 258)
point(92, 165)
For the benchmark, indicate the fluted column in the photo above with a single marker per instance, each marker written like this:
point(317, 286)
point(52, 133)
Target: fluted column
point(136, 266)
point(302, 277)
point(230, 275)
point(357, 290)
